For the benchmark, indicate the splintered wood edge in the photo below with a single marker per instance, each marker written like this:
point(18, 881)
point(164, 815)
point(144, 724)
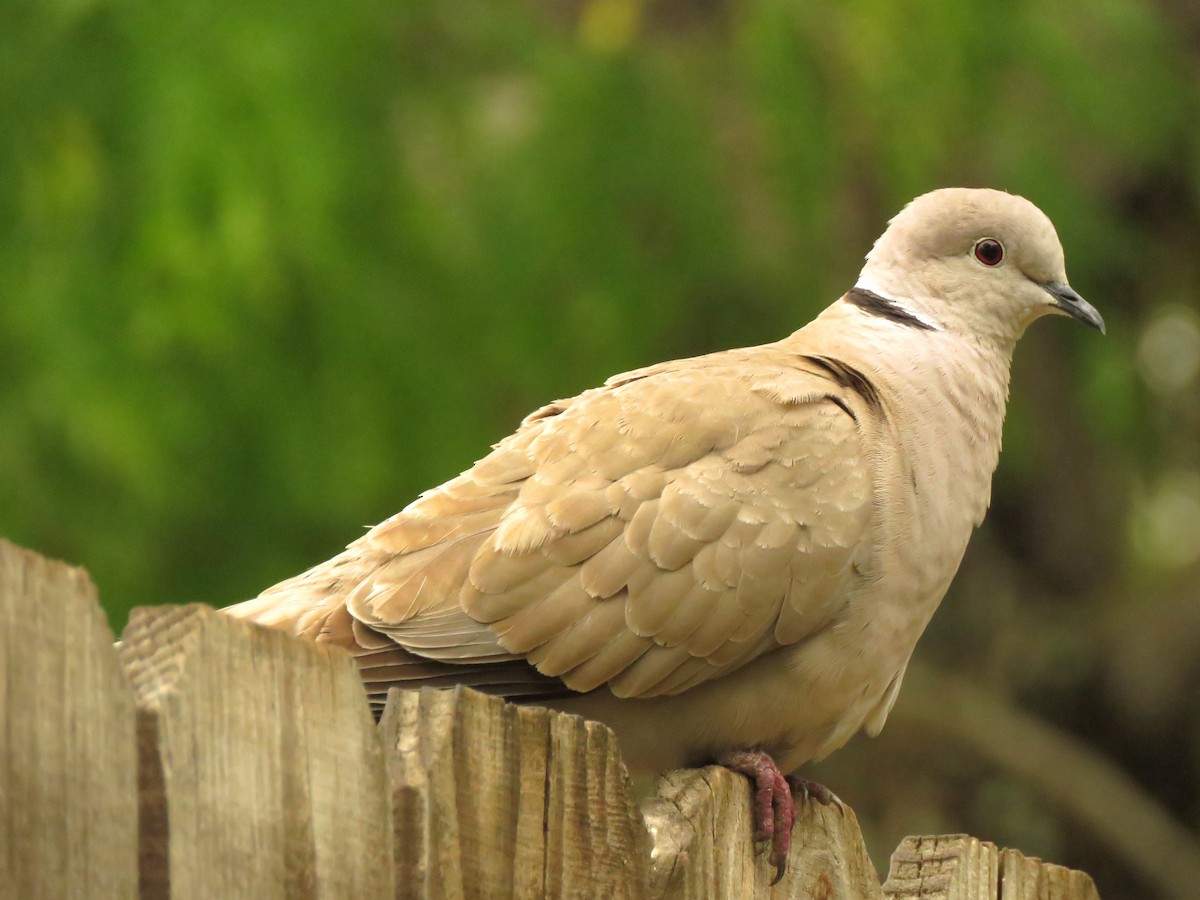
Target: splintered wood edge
point(960, 867)
point(573, 815)
point(601, 836)
point(1029, 878)
point(943, 866)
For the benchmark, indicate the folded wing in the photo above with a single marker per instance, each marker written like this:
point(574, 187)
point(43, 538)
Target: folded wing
point(648, 535)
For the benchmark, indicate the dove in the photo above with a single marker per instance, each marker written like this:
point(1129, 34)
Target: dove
point(728, 558)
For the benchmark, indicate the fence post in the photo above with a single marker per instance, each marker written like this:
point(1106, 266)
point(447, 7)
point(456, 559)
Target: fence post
point(214, 758)
point(700, 821)
point(960, 867)
point(262, 774)
point(68, 814)
point(497, 800)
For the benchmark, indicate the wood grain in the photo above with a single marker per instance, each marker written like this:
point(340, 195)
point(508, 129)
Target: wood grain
point(214, 758)
point(960, 867)
point(700, 822)
point(261, 772)
point(68, 802)
point(494, 800)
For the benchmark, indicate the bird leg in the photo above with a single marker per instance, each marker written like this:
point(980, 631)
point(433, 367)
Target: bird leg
point(774, 808)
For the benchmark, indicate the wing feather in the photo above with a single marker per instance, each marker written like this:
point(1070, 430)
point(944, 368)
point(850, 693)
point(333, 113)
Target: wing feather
point(649, 535)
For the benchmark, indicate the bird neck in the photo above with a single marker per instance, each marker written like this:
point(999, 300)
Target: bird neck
point(987, 320)
point(910, 351)
point(950, 393)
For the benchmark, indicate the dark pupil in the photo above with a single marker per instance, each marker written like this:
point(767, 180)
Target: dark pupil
point(989, 252)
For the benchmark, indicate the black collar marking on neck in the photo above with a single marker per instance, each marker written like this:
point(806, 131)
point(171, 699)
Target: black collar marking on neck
point(878, 305)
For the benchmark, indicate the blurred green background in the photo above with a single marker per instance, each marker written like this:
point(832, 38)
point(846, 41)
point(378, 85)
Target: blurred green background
point(269, 270)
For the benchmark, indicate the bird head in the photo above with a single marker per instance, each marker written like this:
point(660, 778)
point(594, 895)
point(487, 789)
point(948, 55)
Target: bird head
point(980, 262)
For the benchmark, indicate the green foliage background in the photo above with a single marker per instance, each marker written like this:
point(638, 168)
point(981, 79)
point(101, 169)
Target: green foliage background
point(268, 270)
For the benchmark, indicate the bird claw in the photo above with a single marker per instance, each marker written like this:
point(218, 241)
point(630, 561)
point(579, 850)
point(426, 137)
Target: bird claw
point(816, 791)
point(774, 806)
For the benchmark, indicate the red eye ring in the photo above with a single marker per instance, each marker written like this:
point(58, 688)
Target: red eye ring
point(989, 251)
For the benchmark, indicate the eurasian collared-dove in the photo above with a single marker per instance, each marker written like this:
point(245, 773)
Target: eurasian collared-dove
point(729, 557)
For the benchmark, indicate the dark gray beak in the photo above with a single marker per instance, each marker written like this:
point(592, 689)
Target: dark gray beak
point(1073, 305)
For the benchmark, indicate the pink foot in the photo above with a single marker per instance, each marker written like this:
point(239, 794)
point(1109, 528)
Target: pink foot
point(774, 808)
point(816, 791)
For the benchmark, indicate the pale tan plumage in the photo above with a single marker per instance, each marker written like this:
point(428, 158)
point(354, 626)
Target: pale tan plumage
point(736, 550)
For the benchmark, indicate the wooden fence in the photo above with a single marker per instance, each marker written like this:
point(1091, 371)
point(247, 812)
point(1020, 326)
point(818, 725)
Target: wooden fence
point(204, 757)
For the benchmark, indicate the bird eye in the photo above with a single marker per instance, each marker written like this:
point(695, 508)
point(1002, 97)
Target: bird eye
point(989, 251)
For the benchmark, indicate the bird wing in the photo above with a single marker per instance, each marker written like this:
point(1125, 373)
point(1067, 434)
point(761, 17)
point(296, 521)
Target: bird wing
point(650, 535)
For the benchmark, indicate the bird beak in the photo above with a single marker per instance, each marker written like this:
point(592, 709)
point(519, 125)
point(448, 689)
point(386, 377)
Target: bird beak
point(1071, 304)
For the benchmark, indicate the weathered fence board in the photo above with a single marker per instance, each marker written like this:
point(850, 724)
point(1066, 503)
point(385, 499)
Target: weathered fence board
point(214, 758)
point(68, 795)
point(494, 800)
point(701, 825)
point(1028, 878)
point(960, 867)
point(261, 772)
